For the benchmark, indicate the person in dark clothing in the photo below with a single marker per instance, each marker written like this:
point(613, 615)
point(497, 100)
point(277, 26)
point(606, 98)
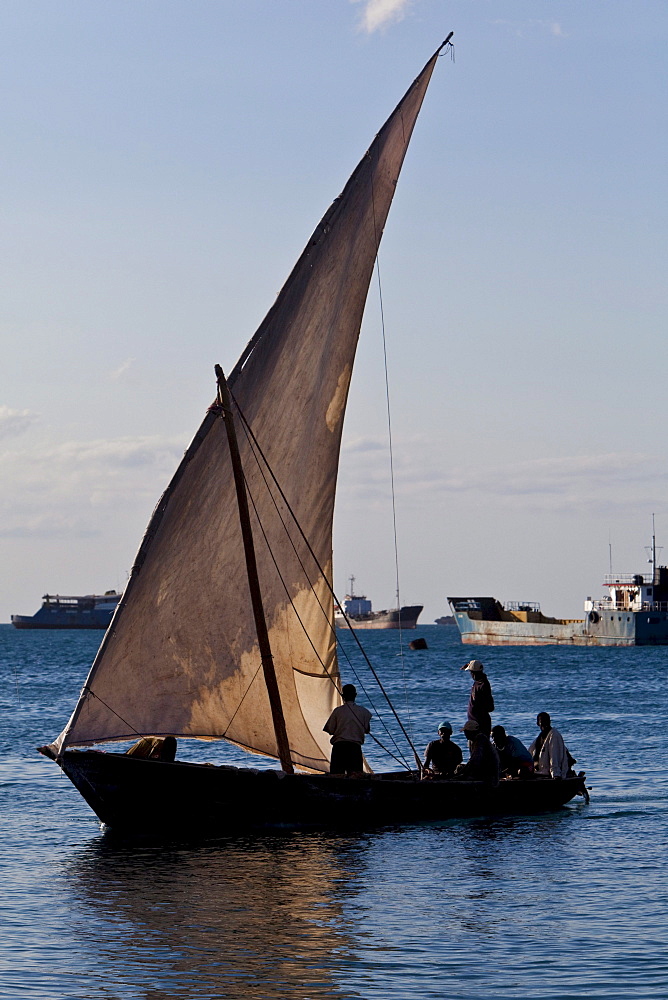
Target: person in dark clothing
point(481, 700)
point(442, 756)
point(483, 762)
point(515, 759)
point(348, 725)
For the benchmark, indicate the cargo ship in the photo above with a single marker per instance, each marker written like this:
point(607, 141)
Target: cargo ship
point(633, 613)
point(89, 611)
point(357, 613)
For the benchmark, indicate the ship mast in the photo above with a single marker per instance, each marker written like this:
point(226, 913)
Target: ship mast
point(253, 579)
point(651, 552)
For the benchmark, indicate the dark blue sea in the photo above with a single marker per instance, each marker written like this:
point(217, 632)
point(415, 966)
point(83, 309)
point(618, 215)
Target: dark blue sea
point(560, 906)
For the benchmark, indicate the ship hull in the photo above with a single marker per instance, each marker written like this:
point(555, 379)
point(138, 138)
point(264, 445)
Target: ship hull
point(135, 795)
point(90, 611)
point(27, 622)
point(405, 618)
point(639, 628)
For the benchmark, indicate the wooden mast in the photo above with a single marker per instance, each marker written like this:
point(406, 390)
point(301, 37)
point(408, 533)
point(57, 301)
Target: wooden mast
point(253, 579)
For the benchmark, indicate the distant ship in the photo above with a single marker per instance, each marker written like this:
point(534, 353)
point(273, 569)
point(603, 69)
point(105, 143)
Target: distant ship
point(634, 613)
point(445, 620)
point(90, 611)
point(359, 614)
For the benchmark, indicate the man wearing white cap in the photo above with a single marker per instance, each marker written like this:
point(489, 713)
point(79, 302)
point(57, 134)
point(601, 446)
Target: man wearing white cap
point(481, 701)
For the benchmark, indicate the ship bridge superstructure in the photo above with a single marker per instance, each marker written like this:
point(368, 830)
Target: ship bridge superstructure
point(633, 592)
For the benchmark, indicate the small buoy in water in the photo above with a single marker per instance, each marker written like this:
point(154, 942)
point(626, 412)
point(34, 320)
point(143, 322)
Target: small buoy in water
point(418, 644)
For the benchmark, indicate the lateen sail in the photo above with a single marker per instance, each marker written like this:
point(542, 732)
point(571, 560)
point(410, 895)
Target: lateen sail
point(181, 656)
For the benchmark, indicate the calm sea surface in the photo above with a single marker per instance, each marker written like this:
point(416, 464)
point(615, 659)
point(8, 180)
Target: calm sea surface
point(572, 904)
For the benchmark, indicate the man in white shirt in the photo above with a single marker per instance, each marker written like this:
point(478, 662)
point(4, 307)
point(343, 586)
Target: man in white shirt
point(347, 725)
point(550, 756)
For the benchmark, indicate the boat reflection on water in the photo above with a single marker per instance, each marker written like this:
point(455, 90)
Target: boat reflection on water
point(320, 916)
point(223, 919)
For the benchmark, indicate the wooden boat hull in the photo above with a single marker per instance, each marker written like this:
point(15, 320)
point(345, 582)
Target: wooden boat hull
point(133, 794)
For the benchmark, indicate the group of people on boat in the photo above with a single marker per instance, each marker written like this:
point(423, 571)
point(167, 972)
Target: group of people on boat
point(493, 753)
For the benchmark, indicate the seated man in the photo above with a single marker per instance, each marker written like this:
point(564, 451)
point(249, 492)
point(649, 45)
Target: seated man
point(442, 756)
point(154, 748)
point(550, 756)
point(515, 759)
point(483, 762)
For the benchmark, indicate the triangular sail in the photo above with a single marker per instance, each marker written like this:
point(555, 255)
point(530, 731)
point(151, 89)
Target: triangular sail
point(181, 655)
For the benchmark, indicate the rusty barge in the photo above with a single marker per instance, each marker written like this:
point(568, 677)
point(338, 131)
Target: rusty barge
point(633, 613)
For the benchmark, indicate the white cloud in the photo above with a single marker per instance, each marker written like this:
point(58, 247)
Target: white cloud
point(363, 445)
point(555, 477)
point(379, 13)
point(68, 490)
point(597, 481)
point(122, 369)
point(51, 526)
point(108, 456)
point(520, 28)
point(13, 422)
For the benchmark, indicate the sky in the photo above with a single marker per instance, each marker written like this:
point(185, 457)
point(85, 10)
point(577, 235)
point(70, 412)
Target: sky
point(163, 163)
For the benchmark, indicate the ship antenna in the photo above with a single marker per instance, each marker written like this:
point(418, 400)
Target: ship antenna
point(652, 551)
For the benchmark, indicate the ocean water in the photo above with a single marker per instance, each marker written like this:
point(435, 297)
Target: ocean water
point(560, 906)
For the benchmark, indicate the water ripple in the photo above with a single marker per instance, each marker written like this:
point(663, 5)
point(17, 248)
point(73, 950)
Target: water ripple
point(557, 907)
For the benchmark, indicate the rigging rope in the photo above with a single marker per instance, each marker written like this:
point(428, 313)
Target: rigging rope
point(391, 455)
point(324, 577)
point(253, 444)
point(110, 709)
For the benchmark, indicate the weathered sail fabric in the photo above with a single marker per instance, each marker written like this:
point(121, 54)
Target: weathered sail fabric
point(181, 655)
